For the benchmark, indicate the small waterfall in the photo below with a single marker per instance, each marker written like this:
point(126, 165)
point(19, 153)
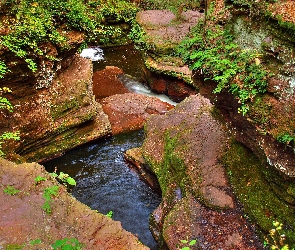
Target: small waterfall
point(131, 83)
point(93, 53)
point(137, 87)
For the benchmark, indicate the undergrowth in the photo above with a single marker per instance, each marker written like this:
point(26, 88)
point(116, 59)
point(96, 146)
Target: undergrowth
point(211, 50)
point(48, 194)
point(33, 23)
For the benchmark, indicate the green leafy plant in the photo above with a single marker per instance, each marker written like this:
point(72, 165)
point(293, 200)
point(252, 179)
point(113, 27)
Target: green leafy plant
point(211, 51)
point(35, 23)
point(110, 214)
point(39, 179)
point(5, 104)
point(10, 190)
point(35, 242)
point(67, 244)
point(276, 237)
point(64, 178)
point(7, 136)
point(187, 244)
point(49, 192)
point(286, 139)
point(3, 69)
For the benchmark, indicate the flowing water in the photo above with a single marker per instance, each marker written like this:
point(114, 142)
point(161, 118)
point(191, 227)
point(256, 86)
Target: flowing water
point(104, 180)
point(130, 61)
point(106, 183)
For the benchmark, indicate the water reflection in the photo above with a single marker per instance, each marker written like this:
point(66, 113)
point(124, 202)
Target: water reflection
point(105, 183)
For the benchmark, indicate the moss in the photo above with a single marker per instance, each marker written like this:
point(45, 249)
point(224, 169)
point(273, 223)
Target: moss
point(260, 202)
point(260, 112)
point(13, 246)
point(59, 110)
point(172, 170)
point(283, 185)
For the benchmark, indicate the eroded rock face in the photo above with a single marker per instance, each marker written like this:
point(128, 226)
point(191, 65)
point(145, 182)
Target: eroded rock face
point(184, 148)
point(127, 112)
point(55, 119)
point(23, 219)
point(175, 88)
point(271, 115)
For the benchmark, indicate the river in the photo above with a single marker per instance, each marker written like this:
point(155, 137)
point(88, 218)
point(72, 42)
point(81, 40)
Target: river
point(104, 181)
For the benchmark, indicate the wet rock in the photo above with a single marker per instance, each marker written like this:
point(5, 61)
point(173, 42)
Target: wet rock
point(136, 161)
point(163, 32)
point(270, 118)
point(127, 112)
point(184, 149)
point(24, 220)
point(175, 88)
point(212, 229)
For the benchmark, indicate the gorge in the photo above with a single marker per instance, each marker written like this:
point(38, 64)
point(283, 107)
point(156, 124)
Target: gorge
point(223, 156)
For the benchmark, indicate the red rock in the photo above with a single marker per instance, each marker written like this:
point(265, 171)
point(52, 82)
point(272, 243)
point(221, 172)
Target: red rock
point(23, 219)
point(106, 83)
point(129, 111)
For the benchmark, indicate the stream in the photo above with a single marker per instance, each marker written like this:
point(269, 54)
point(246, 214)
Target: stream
point(104, 181)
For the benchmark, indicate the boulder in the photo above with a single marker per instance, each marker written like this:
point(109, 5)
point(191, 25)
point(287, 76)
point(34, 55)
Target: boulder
point(106, 82)
point(184, 149)
point(127, 112)
point(163, 31)
point(26, 224)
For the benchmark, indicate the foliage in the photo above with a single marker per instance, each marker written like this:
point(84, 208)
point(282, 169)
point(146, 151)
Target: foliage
point(7, 136)
point(212, 52)
point(137, 35)
point(49, 192)
point(187, 244)
point(286, 139)
point(5, 104)
point(121, 10)
point(35, 242)
point(3, 69)
point(174, 5)
point(67, 244)
point(110, 214)
point(35, 23)
point(276, 237)
point(10, 190)
point(39, 179)
point(64, 178)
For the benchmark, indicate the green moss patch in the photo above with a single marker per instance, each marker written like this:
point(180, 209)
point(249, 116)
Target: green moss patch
point(260, 202)
point(171, 170)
